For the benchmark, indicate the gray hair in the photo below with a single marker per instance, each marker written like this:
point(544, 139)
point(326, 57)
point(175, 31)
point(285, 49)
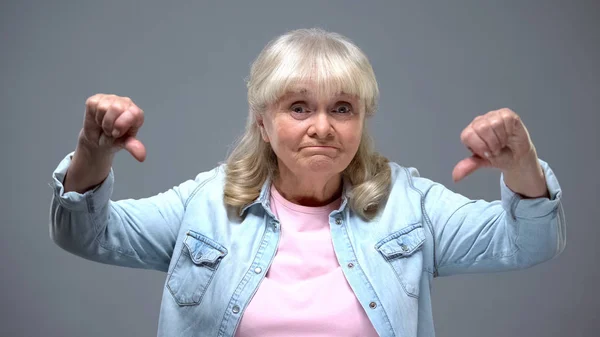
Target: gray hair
point(336, 65)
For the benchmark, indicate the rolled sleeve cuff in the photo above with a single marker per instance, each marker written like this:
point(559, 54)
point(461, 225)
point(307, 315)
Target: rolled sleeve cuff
point(88, 201)
point(519, 207)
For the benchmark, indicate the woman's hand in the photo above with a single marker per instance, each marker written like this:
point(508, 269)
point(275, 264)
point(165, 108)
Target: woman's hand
point(499, 139)
point(111, 123)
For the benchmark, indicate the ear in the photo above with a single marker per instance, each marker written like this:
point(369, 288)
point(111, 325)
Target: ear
point(261, 127)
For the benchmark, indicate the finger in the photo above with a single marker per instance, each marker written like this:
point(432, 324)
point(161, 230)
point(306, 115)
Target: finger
point(123, 124)
point(468, 166)
point(136, 148)
point(510, 120)
point(116, 109)
point(484, 130)
point(499, 129)
point(129, 121)
point(103, 106)
point(474, 143)
point(91, 104)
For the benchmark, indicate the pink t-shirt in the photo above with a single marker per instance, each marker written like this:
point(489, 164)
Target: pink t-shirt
point(304, 292)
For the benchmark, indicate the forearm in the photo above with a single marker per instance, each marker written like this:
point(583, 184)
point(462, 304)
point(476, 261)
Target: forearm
point(473, 235)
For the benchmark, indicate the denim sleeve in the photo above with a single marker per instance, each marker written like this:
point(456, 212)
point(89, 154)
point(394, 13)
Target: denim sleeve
point(472, 236)
point(136, 233)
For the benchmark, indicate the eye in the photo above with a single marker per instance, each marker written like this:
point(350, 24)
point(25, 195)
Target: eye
point(298, 108)
point(343, 108)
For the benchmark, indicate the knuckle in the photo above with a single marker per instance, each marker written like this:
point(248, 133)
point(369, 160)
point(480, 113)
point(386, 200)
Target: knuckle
point(92, 100)
point(511, 118)
point(496, 122)
point(133, 109)
point(466, 134)
point(505, 113)
point(480, 125)
point(104, 104)
point(117, 105)
point(137, 112)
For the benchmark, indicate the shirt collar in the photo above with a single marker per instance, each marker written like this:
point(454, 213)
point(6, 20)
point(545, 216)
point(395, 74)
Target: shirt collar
point(264, 197)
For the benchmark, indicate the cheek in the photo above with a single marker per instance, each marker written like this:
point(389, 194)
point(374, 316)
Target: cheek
point(351, 137)
point(286, 136)
point(352, 147)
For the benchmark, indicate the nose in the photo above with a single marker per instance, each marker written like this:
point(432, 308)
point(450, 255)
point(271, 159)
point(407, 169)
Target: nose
point(321, 126)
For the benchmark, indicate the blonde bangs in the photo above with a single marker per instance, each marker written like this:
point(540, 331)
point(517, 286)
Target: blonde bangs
point(333, 66)
point(298, 60)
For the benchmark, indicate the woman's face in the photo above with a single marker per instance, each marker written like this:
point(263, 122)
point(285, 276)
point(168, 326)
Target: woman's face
point(312, 134)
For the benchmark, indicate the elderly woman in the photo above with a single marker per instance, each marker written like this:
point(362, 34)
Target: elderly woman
point(306, 230)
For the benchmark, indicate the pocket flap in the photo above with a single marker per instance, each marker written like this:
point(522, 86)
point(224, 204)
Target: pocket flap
point(203, 249)
point(402, 243)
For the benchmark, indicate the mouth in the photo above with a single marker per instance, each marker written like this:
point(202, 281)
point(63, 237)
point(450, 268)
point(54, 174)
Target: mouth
point(320, 150)
point(320, 147)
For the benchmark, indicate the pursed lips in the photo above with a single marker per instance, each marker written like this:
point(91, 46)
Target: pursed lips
point(320, 147)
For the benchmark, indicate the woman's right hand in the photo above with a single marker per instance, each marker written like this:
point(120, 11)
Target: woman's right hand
point(111, 123)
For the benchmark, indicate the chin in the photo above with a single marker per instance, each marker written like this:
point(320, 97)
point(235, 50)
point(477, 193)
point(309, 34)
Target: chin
point(323, 165)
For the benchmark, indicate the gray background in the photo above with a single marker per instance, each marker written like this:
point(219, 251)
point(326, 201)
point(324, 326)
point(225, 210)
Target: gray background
point(438, 65)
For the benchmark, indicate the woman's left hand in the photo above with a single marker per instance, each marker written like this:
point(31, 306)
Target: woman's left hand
point(499, 139)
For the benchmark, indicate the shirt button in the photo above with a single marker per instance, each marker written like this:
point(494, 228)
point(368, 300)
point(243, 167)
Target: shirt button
point(404, 247)
point(372, 305)
point(257, 270)
point(350, 265)
point(338, 221)
point(235, 309)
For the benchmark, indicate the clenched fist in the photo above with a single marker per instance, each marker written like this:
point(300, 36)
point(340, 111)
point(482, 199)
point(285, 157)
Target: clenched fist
point(497, 139)
point(111, 123)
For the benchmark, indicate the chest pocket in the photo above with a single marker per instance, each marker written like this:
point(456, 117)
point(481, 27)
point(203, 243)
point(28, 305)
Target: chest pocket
point(402, 250)
point(199, 259)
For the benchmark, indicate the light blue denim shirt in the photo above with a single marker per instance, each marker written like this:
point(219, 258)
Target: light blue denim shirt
point(215, 261)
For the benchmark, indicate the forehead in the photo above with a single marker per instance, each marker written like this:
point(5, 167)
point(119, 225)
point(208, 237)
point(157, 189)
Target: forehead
point(315, 92)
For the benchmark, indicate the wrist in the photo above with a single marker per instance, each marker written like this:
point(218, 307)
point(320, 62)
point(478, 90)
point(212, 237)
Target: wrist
point(93, 155)
point(88, 168)
point(527, 178)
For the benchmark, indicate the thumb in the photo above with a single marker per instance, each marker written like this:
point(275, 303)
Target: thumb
point(136, 148)
point(468, 166)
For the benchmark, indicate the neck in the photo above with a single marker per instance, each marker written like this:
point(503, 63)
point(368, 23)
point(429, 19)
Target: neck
point(308, 190)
